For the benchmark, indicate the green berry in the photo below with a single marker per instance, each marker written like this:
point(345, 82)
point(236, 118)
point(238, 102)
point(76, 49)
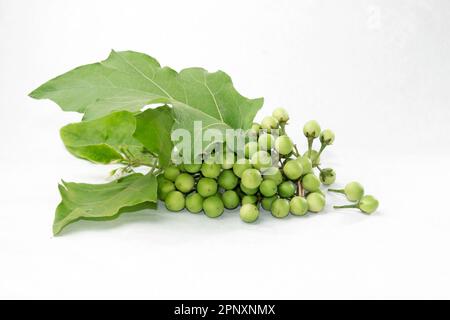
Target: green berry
point(354, 191)
point(261, 160)
point(213, 206)
point(251, 178)
point(250, 149)
point(249, 213)
point(175, 201)
point(249, 199)
point(266, 141)
point(273, 174)
point(284, 145)
point(194, 202)
point(268, 188)
point(293, 170)
point(281, 115)
point(269, 123)
point(287, 189)
point(314, 157)
point(280, 208)
point(327, 137)
point(230, 199)
point(171, 173)
point(228, 160)
point(311, 129)
point(310, 182)
point(184, 182)
point(192, 168)
point(248, 191)
point(327, 176)
point(164, 187)
point(211, 170)
point(299, 206)
point(256, 127)
point(228, 180)
point(368, 204)
point(306, 164)
point(207, 187)
point(316, 202)
point(240, 166)
point(266, 203)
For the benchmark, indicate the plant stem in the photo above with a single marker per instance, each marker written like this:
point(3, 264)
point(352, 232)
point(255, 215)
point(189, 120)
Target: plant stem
point(322, 147)
point(337, 190)
point(300, 190)
point(283, 128)
point(310, 144)
point(350, 206)
point(296, 153)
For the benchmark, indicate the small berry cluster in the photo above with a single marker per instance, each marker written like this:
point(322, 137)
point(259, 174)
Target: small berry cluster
point(288, 186)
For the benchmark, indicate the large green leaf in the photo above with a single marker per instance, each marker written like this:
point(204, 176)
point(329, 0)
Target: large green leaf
point(103, 201)
point(102, 140)
point(153, 128)
point(130, 80)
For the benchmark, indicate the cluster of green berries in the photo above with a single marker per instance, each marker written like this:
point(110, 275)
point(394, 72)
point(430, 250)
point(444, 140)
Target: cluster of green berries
point(290, 185)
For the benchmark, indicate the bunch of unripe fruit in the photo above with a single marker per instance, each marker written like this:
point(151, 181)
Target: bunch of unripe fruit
point(288, 185)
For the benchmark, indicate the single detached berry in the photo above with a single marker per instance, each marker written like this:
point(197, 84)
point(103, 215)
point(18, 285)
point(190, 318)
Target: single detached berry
point(368, 204)
point(354, 191)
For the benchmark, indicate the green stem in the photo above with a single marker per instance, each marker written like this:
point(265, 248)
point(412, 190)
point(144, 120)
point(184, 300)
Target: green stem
point(322, 147)
point(337, 190)
point(283, 128)
point(350, 206)
point(296, 153)
point(310, 144)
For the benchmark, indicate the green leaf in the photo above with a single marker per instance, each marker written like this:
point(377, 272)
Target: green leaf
point(153, 129)
point(103, 201)
point(130, 80)
point(101, 140)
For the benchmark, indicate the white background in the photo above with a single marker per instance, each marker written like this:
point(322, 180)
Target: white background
point(376, 72)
